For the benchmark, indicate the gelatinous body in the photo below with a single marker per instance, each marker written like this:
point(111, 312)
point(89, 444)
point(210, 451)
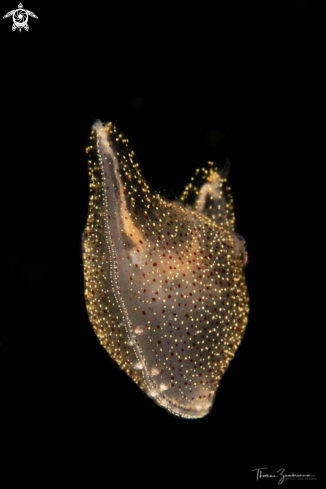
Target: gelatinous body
point(164, 281)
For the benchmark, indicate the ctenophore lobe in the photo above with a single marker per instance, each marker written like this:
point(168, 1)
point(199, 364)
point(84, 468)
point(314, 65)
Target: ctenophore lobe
point(164, 281)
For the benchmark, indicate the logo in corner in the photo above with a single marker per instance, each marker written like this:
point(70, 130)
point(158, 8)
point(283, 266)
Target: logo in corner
point(20, 18)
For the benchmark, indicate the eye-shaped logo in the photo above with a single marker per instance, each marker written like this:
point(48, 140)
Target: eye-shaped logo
point(20, 18)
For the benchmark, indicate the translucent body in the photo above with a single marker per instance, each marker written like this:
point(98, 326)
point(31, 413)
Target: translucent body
point(164, 281)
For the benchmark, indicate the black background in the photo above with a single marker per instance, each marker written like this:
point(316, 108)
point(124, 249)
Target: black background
point(186, 88)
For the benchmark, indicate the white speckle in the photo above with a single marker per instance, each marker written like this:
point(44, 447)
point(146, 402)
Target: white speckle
point(139, 330)
point(163, 386)
point(152, 393)
point(137, 255)
point(155, 371)
point(138, 366)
